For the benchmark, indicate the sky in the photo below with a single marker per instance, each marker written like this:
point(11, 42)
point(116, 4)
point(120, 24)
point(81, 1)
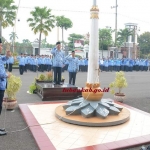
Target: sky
point(78, 11)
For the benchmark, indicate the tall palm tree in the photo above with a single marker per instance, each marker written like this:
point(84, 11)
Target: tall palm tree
point(13, 36)
point(7, 14)
point(63, 23)
point(41, 22)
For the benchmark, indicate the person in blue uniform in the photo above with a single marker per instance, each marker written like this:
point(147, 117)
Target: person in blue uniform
point(86, 64)
point(146, 65)
point(137, 64)
point(49, 63)
point(26, 63)
point(3, 80)
point(10, 63)
point(21, 64)
point(73, 67)
point(122, 63)
point(82, 65)
point(58, 62)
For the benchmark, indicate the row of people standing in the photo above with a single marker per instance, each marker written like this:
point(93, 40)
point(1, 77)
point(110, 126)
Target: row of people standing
point(34, 63)
point(45, 62)
point(124, 64)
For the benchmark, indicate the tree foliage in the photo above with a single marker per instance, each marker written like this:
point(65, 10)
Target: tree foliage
point(123, 35)
point(105, 39)
point(144, 43)
point(7, 14)
point(72, 37)
point(63, 23)
point(41, 22)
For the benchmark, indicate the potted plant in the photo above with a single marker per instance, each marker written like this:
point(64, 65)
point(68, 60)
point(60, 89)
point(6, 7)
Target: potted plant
point(119, 83)
point(32, 88)
point(49, 76)
point(41, 78)
point(13, 86)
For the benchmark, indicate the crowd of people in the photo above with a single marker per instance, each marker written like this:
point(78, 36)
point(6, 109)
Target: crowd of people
point(45, 62)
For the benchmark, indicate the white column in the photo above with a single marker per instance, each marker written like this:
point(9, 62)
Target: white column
point(94, 2)
point(93, 65)
point(129, 38)
point(135, 36)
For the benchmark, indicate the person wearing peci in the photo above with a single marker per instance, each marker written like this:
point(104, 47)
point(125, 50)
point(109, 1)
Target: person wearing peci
point(73, 67)
point(3, 80)
point(58, 62)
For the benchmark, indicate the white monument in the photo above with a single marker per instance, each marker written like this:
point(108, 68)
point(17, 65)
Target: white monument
point(91, 109)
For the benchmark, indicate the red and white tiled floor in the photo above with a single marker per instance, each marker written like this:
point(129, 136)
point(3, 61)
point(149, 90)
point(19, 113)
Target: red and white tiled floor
point(51, 133)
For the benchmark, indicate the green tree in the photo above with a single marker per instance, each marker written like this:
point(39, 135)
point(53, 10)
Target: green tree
point(44, 43)
point(144, 43)
point(123, 35)
point(7, 14)
point(13, 36)
point(26, 46)
point(63, 23)
point(72, 37)
point(41, 22)
point(4, 42)
point(105, 39)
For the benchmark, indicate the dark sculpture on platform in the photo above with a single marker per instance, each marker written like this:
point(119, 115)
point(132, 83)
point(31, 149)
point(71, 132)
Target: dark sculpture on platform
point(89, 109)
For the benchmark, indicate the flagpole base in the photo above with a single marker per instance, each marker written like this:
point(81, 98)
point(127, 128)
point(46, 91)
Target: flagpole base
point(92, 92)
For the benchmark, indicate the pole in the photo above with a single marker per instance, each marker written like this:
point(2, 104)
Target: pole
point(134, 44)
point(116, 25)
point(73, 43)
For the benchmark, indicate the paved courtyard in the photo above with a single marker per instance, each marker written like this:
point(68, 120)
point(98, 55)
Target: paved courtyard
point(137, 95)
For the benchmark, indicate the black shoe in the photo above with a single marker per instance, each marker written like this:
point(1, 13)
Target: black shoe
point(3, 133)
point(2, 129)
point(55, 83)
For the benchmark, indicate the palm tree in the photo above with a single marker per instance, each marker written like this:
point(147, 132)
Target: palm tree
point(63, 23)
point(7, 14)
point(41, 22)
point(26, 45)
point(123, 34)
point(13, 36)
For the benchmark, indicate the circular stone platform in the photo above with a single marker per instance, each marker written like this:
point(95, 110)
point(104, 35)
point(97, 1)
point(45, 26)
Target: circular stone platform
point(111, 120)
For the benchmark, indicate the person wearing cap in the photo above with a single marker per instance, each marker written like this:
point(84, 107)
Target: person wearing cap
point(58, 62)
point(3, 80)
point(73, 67)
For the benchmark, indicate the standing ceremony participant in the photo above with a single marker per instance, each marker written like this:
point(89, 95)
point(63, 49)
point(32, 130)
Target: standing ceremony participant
point(73, 67)
point(58, 62)
point(3, 80)
point(21, 63)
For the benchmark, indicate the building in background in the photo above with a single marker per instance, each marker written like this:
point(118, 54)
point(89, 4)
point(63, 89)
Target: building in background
point(130, 49)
